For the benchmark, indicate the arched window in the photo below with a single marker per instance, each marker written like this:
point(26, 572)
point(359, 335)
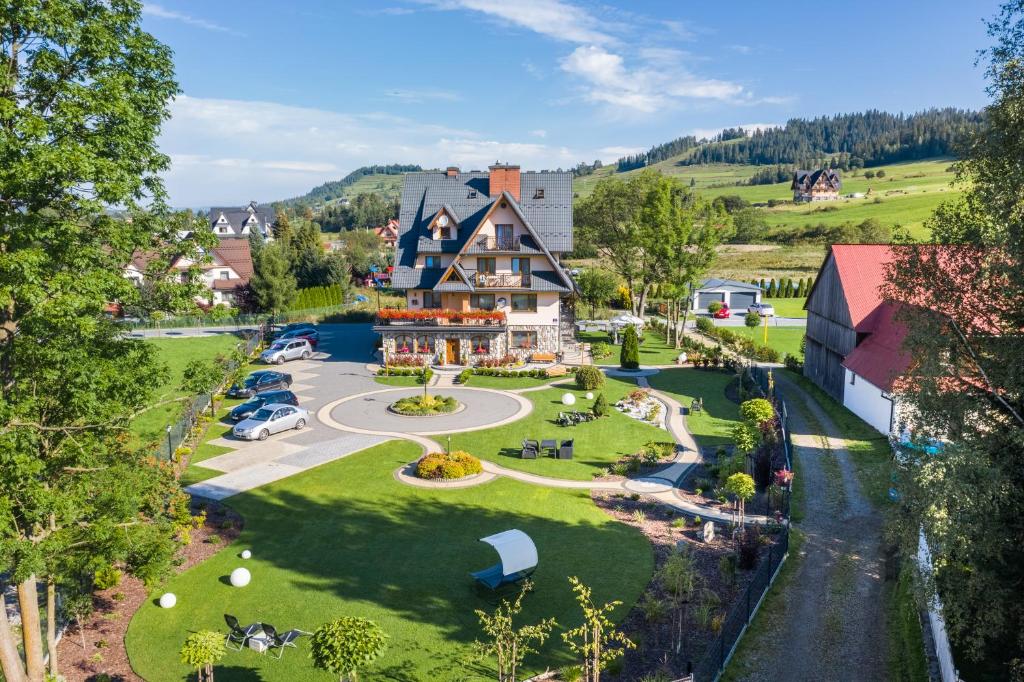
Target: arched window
point(404, 344)
point(424, 344)
point(481, 345)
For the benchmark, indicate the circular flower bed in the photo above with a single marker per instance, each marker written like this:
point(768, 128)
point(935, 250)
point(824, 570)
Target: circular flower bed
point(425, 405)
point(447, 466)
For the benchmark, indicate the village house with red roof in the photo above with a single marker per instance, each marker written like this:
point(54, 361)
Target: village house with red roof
point(226, 274)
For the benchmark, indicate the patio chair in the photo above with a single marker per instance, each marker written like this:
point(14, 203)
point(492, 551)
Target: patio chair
point(565, 450)
point(696, 405)
point(280, 642)
point(239, 636)
point(518, 557)
point(528, 452)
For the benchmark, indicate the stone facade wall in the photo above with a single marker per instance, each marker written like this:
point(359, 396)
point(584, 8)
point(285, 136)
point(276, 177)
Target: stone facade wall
point(501, 343)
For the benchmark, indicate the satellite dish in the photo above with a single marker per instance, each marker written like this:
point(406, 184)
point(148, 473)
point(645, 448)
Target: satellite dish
point(442, 221)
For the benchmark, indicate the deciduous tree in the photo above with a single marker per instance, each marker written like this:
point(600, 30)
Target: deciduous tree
point(507, 644)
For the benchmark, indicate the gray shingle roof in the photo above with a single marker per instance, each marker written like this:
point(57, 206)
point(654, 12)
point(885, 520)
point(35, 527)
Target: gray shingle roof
point(716, 283)
point(237, 215)
point(467, 196)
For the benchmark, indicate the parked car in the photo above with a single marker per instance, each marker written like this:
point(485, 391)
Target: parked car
point(287, 349)
point(722, 313)
point(279, 331)
point(762, 309)
point(250, 406)
point(270, 419)
point(311, 335)
point(260, 382)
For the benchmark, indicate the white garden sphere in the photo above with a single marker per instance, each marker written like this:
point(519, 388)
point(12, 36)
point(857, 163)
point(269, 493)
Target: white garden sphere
point(590, 395)
point(168, 600)
point(240, 577)
point(246, 554)
point(568, 399)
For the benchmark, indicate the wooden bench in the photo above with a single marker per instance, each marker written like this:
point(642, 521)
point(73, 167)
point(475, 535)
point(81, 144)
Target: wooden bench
point(556, 371)
point(542, 357)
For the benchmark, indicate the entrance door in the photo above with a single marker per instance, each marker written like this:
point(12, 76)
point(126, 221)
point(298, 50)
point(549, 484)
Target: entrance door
point(452, 352)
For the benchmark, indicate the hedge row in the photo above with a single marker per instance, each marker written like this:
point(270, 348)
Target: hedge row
point(318, 297)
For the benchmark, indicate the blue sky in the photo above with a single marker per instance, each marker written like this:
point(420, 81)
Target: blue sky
point(279, 97)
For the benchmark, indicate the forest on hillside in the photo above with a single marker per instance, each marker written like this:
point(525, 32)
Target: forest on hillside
point(336, 188)
point(844, 141)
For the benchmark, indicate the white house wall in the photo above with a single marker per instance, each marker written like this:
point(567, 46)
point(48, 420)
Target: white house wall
point(865, 400)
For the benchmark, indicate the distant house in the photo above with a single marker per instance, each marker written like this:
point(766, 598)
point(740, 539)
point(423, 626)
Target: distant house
point(239, 222)
point(854, 341)
point(736, 295)
point(819, 185)
point(226, 275)
point(388, 233)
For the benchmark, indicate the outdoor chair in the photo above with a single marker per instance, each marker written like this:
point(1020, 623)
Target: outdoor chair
point(528, 453)
point(697, 405)
point(239, 636)
point(518, 557)
point(279, 642)
point(565, 450)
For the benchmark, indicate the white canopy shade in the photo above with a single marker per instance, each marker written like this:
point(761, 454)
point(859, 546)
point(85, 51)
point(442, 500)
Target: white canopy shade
point(627, 319)
point(516, 549)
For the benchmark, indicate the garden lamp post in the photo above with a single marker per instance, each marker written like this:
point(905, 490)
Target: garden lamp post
point(170, 451)
point(374, 269)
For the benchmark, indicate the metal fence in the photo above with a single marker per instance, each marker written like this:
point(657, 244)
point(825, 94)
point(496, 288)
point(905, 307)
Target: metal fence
point(722, 648)
point(243, 321)
point(177, 433)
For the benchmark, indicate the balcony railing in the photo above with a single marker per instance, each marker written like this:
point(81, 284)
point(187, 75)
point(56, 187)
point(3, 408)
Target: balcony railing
point(440, 317)
point(496, 243)
point(501, 280)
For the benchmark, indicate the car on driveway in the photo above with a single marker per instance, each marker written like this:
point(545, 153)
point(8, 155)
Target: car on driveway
point(260, 382)
point(291, 327)
point(287, 349)
point(250, 406)
point(270, 419)
point(311, 335)
point(722, 313)
point(762, 309)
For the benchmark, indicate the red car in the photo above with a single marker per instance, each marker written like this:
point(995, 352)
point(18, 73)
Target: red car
point(311, 335)
point(722, 313)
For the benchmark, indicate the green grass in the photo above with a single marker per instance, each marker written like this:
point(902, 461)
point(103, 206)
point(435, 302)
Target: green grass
point(597, 444)
point(399, 381)
point(507, 383)
point(176, 354)
point(783, 339)
point(906, 640)
point(712, 425)
point(787, 307)
point(653, 349)
point(346, 538)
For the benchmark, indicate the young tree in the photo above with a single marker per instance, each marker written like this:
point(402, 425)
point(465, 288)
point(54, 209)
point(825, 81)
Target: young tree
point(629, 356)
point(596, 288)
point(201, 651)
point(273, 285)
point(507, 644)
point(679, 578)
point(204, 377)
point(347, 644)
point(752, 320)
point(742, 486)
point(84, 93)
point(964, 318)
point(596, 638)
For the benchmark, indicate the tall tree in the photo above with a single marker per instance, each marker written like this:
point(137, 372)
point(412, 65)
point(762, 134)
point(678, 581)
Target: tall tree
point(596, 287)
point(272, 283)
point(83, 92)
point(965, 385)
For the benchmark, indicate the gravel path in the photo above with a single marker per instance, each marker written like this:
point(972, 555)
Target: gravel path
point(832, 622)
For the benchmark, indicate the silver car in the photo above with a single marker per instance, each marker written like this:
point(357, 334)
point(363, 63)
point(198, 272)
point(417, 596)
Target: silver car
point(287, 349)
point(762, 309)
point(270, 419)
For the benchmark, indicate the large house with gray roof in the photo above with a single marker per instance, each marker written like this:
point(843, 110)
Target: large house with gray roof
point(478, 259)
point(240, 222)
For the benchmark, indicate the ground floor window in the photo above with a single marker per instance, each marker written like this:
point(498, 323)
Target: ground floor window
point(481, 345)
point(404, 344)
point(424, 344)
point(524, 339)
point(482, 301)
point(431, 300)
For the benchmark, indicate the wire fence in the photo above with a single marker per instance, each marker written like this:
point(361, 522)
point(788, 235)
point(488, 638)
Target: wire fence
point(178, 432)
point(241, 321)
point(721, 649)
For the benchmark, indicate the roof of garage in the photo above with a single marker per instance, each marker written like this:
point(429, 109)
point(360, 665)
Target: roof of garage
point(716, 284)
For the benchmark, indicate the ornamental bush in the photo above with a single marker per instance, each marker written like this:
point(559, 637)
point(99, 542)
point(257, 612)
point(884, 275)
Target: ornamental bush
point(705, 325)
point(752, 320)
point(107, 578)
point(600, 407)
point(629, 358)
point(425, 405)
point(589, 377)
point(715, 306)
point(447, 466)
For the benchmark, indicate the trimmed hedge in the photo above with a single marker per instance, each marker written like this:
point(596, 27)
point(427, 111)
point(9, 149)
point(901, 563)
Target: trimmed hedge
point(447, 466)
point(589, 377)
point(414, 406)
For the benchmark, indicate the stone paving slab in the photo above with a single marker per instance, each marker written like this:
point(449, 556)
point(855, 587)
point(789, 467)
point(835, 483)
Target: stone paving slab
point(330, 450)
point(251, 454)
point(221, 487)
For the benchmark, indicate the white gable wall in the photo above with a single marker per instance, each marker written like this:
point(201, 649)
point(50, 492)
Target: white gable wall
point(866, 401)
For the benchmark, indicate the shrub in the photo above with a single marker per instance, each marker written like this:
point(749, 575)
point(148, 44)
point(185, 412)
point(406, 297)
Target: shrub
point(727, 567)
point(679, 523)
point(600, 408)
point(619, 469)
point(572, 673)
point(464, 376)
point(752, 320)
point(794, 363)
point(420, 405)
point(600, 350)
point(750, 542)
point(705, 325)
point(106, 578)
point(447, 466)
point(629, 357)
point(766, 354)
point(715, 306)
point(589, 377)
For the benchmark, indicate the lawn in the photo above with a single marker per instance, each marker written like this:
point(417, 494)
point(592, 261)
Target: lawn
point(506, 383)
point(597, 444)
point(787, 307)
point(711, 426)
point(176, 353)
point(653, 349)
point(783, 339)
point(346, 538)
point(399, 381)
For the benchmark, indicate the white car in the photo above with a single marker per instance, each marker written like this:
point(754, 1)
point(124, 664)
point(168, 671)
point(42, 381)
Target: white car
point(287, 349)
point(270, 419)
point(762, 309)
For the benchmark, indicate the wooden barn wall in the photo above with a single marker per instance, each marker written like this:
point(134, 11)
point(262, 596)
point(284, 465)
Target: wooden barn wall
point(830, 336)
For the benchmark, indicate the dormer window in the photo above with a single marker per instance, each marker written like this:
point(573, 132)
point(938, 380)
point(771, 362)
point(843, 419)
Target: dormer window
point(538, 193)
point(472, 194)
point(446, 232)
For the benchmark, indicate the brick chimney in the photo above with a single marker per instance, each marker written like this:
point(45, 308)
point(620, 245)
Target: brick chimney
point(452, 171)
point(504, 178)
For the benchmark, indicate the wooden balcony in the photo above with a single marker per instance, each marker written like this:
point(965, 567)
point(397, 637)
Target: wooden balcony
point(500, 280)
point(422, 318)
point(496, 244)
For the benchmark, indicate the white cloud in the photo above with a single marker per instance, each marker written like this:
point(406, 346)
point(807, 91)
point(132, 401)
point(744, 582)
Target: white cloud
point(155, 10)
point(657, 83)
point(231, 151)
point(551, 18)
point(423, 95)
point(539, 132)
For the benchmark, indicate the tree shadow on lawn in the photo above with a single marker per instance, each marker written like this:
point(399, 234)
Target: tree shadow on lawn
point(407, 557)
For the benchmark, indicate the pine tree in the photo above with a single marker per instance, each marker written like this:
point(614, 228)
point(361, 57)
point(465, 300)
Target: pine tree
point(273, 285)
point(629, 357)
